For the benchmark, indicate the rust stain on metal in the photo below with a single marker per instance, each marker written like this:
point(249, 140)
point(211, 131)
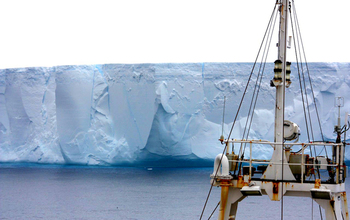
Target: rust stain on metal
point(286, 184)
point(345, 204)
point(224, 195)
point(275, 187)
point(240, 182)
point(275, 191)
point(225, 184)
point(317, 183)
point(282, 9)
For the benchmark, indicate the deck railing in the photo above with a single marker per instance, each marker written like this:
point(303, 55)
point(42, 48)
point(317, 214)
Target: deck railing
point(337, 159)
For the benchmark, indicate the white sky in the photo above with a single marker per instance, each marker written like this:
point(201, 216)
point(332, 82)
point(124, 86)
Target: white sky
point(73, 32)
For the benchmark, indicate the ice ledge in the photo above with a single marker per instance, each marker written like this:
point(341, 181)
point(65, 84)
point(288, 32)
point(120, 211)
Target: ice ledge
point(117, 114)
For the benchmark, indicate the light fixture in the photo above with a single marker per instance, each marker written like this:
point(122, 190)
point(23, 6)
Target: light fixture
point(278, 70)
point(288, 71)
point(251, 191)
point(321, 193)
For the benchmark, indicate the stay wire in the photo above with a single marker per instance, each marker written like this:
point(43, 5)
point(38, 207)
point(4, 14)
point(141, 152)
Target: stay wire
point(298, 27)
point(258, 80)
point(250, 114)
point(257, 87)
point(235, 119)
point(251, 120)
point(211, 185)
point(298, 34)
point(299, 48)
point(310, 81)
point(214, 210)
point(296, 46)
point(306, 98)
point(262, 65)
point(251, 73)
point(302, 79)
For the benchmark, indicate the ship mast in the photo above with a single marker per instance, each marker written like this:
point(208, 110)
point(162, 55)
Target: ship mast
point(285, 173)
point(280, 86)
point(278, 172)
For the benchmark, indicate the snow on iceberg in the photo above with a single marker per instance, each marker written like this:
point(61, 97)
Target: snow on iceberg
point(146, 114)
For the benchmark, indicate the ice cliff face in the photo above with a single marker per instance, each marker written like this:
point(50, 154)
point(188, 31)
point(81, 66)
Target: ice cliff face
point(146, 114)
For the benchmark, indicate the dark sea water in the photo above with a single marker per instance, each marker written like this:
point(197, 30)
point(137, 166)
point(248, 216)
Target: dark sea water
point(71, 192)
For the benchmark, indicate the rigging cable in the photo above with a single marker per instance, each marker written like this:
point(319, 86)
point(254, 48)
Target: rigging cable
point(300, 66)
point(214, 210)
point(298, 34)
point(250, 76)
point(262, 64)
point(212, 184)
point(255, 94)
point(297, 47)
point(302, 79)
point(310, 81)
point(235, 119)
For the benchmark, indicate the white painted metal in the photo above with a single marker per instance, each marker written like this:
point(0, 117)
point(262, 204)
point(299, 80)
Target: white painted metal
point(221, 167)
point(274, 172)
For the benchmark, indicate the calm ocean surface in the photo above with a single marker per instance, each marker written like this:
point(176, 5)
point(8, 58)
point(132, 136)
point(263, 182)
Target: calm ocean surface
point(72, 192)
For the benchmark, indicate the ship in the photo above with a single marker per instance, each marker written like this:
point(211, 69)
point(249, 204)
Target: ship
point(311, 169)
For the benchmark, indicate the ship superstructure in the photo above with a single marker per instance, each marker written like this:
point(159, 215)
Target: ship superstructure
point(293, 169)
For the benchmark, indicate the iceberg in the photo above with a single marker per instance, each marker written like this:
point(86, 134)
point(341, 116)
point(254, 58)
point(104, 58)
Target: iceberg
point(148, 114)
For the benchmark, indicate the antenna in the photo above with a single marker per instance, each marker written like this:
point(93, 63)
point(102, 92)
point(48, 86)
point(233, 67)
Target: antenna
point(223, 121)
point(346, 124)
point(339, 102)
